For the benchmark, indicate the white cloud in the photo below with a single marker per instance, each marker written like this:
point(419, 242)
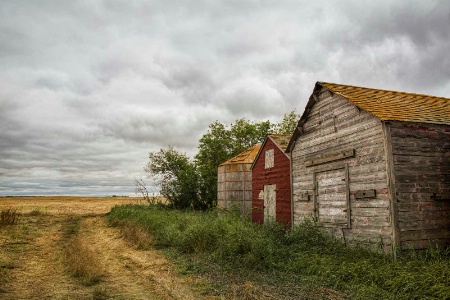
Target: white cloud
point(88, 88)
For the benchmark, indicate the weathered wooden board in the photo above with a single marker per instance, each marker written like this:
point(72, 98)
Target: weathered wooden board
point(423, 244)
point(423, 206)
point(374, 203)
point(360, 221)
point(424, 224)
point(363, 194)
point(371, 211)
point(330, 157)
point(334, 126)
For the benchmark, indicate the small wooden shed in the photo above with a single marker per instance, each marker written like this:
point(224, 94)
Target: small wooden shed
point(234, 181)
point(271, 181)
point(374, 166)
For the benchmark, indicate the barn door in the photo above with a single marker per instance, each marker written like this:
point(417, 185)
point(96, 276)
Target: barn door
point(332, 198)
point(269, 202)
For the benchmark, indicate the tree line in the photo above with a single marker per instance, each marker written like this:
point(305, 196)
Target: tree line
point(192, 183)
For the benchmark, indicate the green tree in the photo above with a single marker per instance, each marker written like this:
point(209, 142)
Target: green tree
point(244, 134)
point(221, 143)
point(214, 148)
point(188, 184)
point(288, 124)
point(176, 176)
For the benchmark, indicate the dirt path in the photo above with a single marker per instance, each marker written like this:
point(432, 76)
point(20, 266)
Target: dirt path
point(130, 273)
point(38, 271)
point(32, 263)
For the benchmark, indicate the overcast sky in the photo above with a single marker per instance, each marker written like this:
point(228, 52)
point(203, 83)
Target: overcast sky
point(89, 88)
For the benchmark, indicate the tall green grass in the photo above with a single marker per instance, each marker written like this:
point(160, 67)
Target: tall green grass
point(304, 253)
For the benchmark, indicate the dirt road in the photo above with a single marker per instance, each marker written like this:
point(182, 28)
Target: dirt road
point(32, 262)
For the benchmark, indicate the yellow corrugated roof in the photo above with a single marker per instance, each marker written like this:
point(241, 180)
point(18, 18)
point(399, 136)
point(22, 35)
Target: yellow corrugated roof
point(247, 156)
point(395, 106)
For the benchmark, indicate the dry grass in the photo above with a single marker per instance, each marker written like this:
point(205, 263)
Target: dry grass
point(65, 204)
point(8, 217)
point(62, 247)
point(137, 236)
point(249, 291)
point(81, 261)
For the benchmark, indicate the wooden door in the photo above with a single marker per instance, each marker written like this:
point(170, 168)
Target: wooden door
point(269, 202)
point(332, 198)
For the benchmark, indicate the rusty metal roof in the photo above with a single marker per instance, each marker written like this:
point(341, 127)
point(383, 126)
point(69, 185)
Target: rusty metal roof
point(281, 140)
point(245, 157)
point(395, 106)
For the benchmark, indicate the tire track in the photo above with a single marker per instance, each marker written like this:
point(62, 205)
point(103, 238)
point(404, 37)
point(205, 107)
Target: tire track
point(40, 272)
point(131, 273)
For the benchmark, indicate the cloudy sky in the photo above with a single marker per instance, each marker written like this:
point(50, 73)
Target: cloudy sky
point(88, 88)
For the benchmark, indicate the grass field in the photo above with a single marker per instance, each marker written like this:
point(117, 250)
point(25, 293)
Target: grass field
point(78, 248)
point(65, 204)
point(269, 262)
point(62, 248)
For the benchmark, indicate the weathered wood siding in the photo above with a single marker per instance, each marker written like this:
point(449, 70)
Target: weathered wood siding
point(234, 187)
point(421, 162)
point(339, 172)
point(278, 175)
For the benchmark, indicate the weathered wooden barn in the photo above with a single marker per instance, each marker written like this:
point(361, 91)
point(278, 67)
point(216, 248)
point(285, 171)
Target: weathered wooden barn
point(234, 181)
point(271, 181)
point(374, 166)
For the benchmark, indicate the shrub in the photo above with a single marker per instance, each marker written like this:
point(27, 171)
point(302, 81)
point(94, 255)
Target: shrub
point(8, 217)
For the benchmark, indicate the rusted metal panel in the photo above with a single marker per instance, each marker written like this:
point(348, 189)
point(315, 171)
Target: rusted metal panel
point(246, 157)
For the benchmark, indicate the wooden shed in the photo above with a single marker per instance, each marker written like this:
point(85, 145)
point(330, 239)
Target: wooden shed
point(234, 181)
point(271, 181)
point(374, 166)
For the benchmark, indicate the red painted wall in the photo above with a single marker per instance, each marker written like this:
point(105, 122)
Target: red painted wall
point(279, 175)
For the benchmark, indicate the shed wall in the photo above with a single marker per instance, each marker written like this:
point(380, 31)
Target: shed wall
point(421, 162)
point(333, 129)
point(234, 187)
point(279, 175)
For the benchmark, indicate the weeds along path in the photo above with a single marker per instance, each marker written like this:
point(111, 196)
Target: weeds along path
point(131, 273)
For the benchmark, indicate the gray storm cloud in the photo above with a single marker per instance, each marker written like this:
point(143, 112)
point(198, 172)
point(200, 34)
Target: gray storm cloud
point(88, 88)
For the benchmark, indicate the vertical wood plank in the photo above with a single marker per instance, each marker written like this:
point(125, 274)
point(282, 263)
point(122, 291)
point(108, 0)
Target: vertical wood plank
point(292, 189)
point(316, 193)
point(391, 187)
point(347, 195)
